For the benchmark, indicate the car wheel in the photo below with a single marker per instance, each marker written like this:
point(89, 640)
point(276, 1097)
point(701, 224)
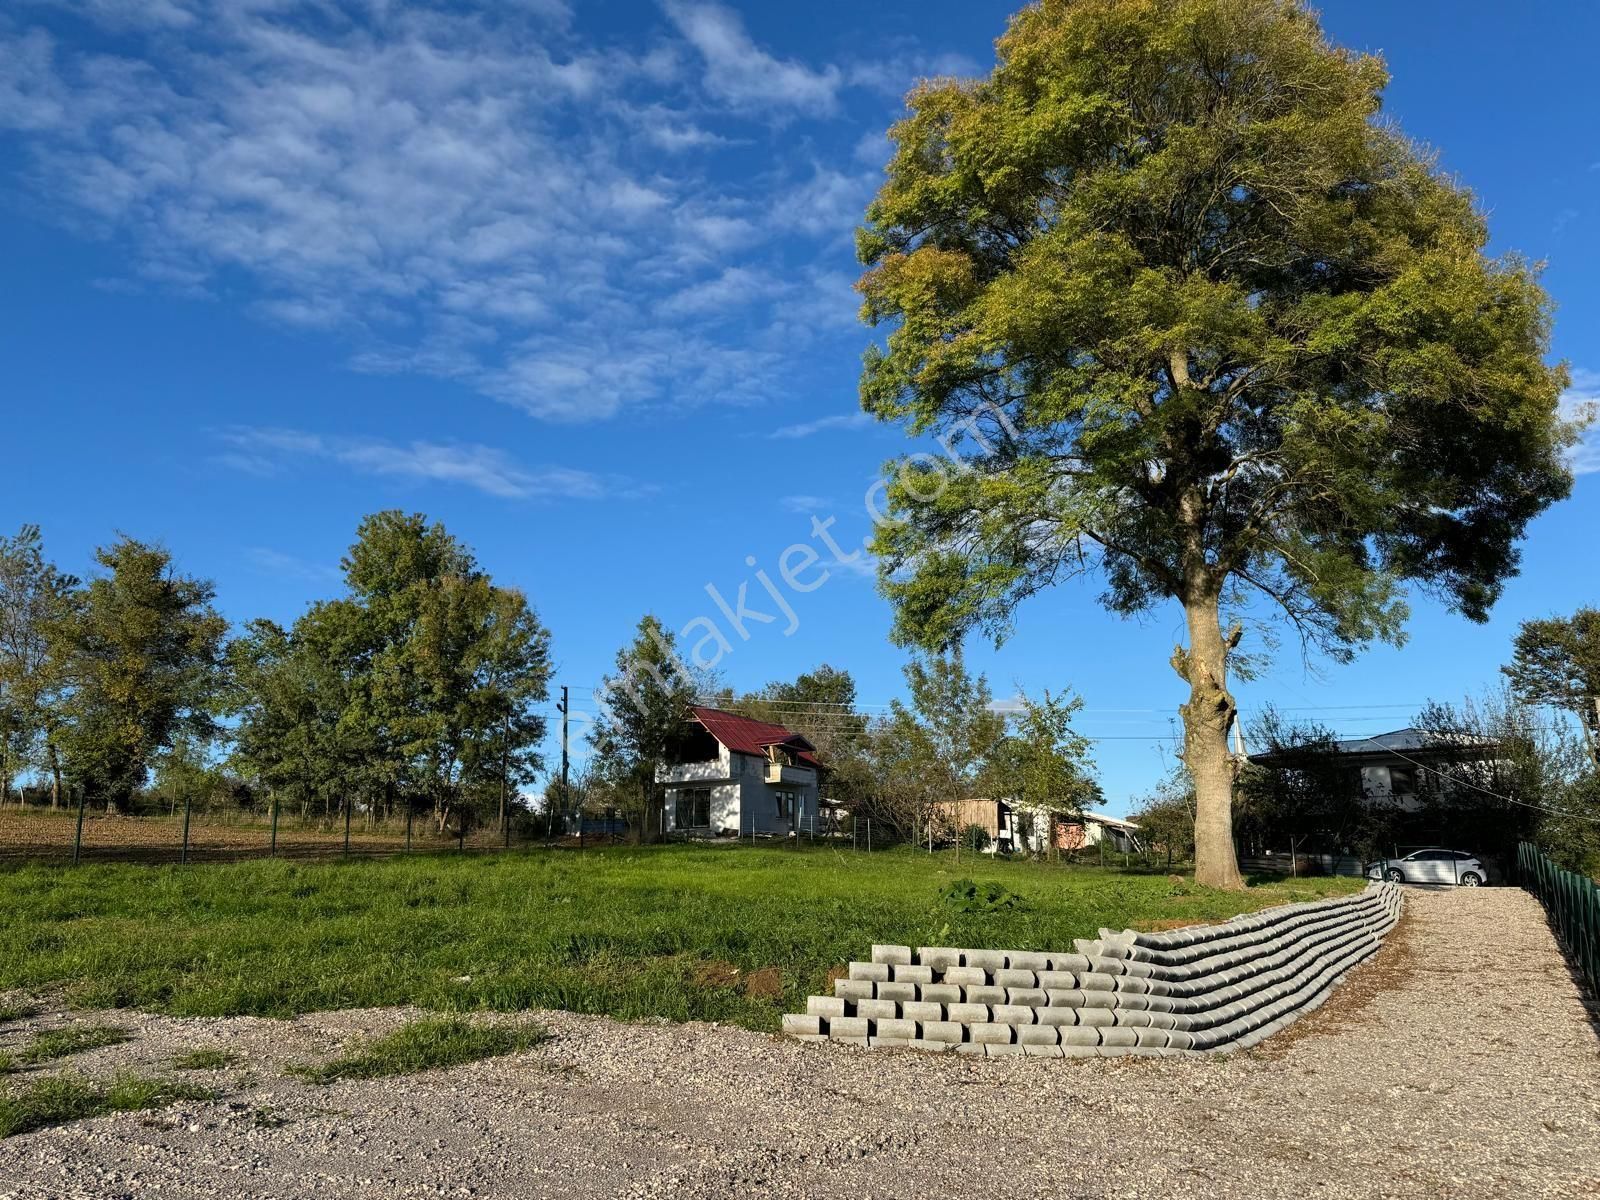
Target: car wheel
point(1471, 879)
point(1395, 876)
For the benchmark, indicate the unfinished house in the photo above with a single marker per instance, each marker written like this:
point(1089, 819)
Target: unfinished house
point(731, 776)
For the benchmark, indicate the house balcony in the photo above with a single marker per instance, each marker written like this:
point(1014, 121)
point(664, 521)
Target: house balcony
point(782, 773)
point(695, 772)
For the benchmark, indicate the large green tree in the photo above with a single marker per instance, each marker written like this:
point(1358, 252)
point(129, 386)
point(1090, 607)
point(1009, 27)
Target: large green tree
point(1191, 313)
point(34, 597)
point(141, 654)
point(1557, 662)
point(643, 712)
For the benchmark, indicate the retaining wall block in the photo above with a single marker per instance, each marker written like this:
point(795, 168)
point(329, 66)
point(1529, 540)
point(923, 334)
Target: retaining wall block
point(1202, 989)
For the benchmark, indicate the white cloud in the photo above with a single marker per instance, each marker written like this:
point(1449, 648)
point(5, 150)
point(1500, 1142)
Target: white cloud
point(444, 188)
point(289, 566)
point(804, 504)
point(857, 420)
point(741, 73)
point(1581, 402)
point(265, 451)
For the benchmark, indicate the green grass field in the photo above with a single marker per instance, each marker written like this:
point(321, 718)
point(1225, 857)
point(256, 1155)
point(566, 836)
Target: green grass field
point(737, 935)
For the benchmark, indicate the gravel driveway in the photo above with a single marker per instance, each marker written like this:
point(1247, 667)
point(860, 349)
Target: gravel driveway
point(1460, 1062)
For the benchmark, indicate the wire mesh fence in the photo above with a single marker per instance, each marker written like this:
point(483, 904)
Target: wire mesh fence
point(1573, 902)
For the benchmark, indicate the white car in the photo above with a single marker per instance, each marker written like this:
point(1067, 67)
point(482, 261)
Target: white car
point(1431, 866)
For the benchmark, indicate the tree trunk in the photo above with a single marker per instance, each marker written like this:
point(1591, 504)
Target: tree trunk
point(55, 775)
point(1207, 717)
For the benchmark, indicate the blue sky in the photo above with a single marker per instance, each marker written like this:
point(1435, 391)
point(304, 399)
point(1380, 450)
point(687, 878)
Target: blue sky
point(575, 279)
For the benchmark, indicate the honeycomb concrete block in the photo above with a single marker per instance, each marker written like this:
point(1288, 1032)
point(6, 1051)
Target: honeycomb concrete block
point(991, 1034)
point(849, 1027)
point(1200, 990)
point(852, 989)
point(1027, 960)
point(1056, 1016)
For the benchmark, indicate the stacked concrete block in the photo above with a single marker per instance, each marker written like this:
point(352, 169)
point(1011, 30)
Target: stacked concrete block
point(1199, 990)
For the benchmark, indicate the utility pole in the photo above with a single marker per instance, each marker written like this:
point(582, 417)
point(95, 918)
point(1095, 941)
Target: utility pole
point(566, 796)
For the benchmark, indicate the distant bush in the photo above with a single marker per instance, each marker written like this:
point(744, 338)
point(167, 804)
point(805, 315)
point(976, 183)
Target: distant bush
point(975, 837)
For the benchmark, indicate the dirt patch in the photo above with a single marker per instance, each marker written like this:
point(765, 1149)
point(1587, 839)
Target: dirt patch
point(714, 973)
point(763, 984)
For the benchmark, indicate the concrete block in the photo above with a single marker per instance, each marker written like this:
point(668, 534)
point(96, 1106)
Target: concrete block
point(1032, 997)
point(825, 1006)
point(967, 1014)
point(1008, 977)
point(1096, 1016)
point(798, 1023)
point(971, 1049)
point(1080, 1051)
point(1180, 1039)
point(896, 991)
point(910, 973)
point(890, 1043)
point(849, 1027)
point(986, 994)
point(1039, 1035)
point(1043, 1051)
point(938, 957)
point(1151, 1038)
point(1097, 983)
point(1056, 1016)
point(876, 1009)
point(852, 989)
point(1132, 985)
point(895, 955)
point(991, 1034)
point(989, 960)
point(942, 1031)
point(932, 1047)
point(1057, 979)
point(965, 976)
point(1080, 1037)
point(895, 1028)
point(871, 972)
point(1131, 1017)
point(997, 1050)
point(1075, 963)
point(1027, 960)
point(939, 993)
point(1064, 997)
point(921, 1010)
point(1012, 1014)
point(1116, 1035)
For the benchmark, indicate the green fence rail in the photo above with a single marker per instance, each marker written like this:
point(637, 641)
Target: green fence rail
point(1573, 902)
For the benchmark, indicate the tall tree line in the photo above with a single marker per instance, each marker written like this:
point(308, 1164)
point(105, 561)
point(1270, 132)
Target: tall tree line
point(419, 689)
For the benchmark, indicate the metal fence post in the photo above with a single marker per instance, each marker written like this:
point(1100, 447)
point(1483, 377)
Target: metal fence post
point(77, 838)
point(277, 803)
point(348, 808)
point(410, 814)
point(187, 804)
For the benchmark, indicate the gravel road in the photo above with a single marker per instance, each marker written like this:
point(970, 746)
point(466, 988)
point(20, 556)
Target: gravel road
point(1460, 1062)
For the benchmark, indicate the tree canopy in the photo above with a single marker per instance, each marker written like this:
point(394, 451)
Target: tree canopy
point(1192, 314)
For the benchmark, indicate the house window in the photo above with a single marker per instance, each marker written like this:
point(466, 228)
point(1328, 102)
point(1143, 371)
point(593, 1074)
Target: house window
point(788, 803)
point(694, 808)
point(1402, 781)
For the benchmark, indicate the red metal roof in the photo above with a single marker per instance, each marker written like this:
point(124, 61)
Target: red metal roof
point(750, 736)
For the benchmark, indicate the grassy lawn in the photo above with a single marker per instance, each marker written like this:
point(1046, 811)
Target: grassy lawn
point(737, 935)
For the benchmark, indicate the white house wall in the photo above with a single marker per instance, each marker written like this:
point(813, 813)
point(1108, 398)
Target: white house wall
point(742, 802)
